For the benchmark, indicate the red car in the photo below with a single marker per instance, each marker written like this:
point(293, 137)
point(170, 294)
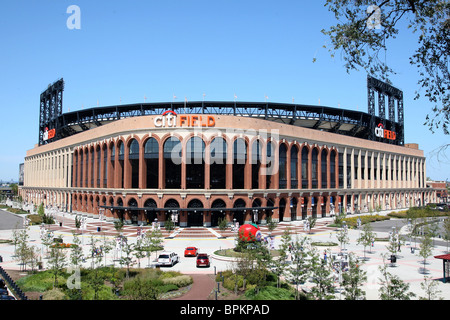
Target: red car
point(191, 252)
point(202, 260)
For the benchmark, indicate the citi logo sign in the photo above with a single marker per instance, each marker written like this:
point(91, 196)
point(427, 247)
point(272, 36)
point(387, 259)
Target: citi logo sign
point(381, 132)
point(169, 119)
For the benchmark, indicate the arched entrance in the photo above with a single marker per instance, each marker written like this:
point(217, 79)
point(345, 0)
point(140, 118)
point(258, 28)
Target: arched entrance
point(217, 215)
point(195, 218)
point(255, 212)
point(269, 212)
point(120, 212)
point(293, 209)
point(323, 207)
point(314, 207)
point(174, 207)
point(239, 214)
point(305, 208)
point(281, 209)
point(132, 203)
point(150, 213)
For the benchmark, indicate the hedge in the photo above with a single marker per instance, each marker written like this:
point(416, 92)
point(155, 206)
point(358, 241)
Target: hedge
point(352, 222)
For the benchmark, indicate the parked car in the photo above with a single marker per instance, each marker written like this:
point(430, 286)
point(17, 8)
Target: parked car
point(6, 297)
point(203, 260)
point(3, 292)
point(168, 258)
point(191, 252)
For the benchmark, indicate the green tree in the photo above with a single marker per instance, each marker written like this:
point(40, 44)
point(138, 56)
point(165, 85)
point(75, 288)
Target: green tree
point(169, 225)
point(22, 248)
point(322, 276)
point(392, 287)
point(353, 280)
point(366, 237)
point(280, 263)
point(362, 44)
point(56, 261)
point(430, 287)
point(127, 260)
point(41, 210)
point(300, 268)
point(393, 244)
point(342, 236)
point(271, 224)
point(425, 247)
point(153, 242)
point(76, 251)
point(118, 225)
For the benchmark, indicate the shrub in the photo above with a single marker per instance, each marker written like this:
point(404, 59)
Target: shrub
point(54, 294)
point(35, 219)
point(179, 281)
point(270, 293)
point(352, 222)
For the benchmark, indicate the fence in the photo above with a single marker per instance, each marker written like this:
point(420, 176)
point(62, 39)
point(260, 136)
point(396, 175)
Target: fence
point(12, 285)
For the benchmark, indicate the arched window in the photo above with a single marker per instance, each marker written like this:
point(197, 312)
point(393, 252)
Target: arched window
point(282, 166)
point(98, 153)
point(75, 168)
point(324, 162)
point(133, 158)
point(151, 163)
point(121, 148)
point(172, 163)
point(218, 161)
point(314, 168)
point(333, 169)
point(270, 163)
point(256, 163)
point(195, 164)
point(112, 163)
point(239, 160)
point(105, 166)
point(294, 163)
point(91, 166)
point(305, 171)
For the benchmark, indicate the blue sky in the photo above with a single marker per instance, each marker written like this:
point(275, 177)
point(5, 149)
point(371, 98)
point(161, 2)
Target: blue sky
point(128, 50)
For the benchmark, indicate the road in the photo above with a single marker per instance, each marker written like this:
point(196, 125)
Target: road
point(10, 221)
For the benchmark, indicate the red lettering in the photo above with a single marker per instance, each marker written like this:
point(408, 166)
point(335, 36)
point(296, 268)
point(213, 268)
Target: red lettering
point(184, 119)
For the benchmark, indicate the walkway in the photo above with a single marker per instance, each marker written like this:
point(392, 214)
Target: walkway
point(201, 288)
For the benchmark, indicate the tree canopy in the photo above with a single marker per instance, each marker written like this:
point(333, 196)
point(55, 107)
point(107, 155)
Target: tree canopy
point(361, 31)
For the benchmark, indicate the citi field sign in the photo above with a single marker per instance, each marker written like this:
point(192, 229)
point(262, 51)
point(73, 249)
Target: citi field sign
point(169, 119)
point(381, 132)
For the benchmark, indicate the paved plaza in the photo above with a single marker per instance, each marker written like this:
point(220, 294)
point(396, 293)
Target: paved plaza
point(409, 266)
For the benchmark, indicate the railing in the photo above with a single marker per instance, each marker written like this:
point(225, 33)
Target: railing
point(12, 285)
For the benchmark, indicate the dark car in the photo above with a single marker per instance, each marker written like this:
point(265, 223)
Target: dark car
point(6, 297)
point(3, 292)
point(203, 260)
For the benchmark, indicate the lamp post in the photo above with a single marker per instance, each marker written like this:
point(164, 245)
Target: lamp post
point(255, 216)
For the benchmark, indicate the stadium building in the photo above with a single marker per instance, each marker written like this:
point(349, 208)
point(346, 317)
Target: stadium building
point(200, 162)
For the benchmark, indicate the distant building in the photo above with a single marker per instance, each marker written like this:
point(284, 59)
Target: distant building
point(440, 189)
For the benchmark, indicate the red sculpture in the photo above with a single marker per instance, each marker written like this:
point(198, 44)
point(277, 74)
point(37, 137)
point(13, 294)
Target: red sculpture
point(249, 232)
